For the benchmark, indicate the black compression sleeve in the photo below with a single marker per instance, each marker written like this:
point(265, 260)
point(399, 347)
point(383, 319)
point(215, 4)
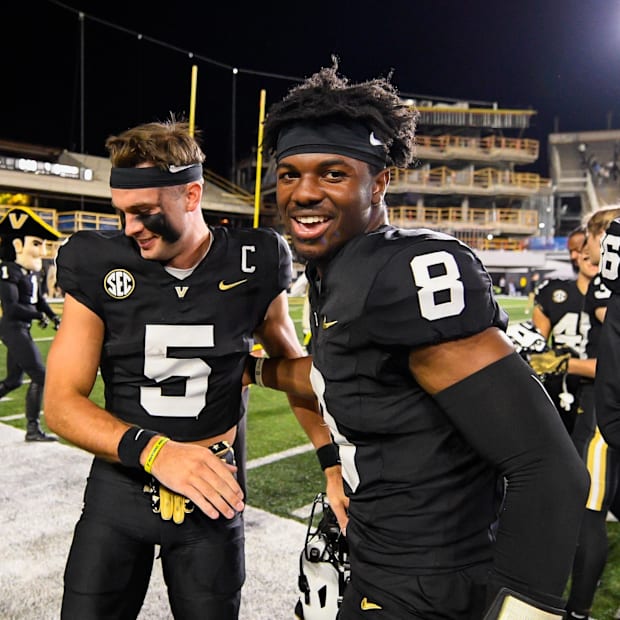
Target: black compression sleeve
point(506, 415)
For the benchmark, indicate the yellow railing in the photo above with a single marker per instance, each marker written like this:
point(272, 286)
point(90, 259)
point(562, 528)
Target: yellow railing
point(451, 217)
point(482, 179)
point(518, 147)
point(73, 221)
point(228, 187)
point(474, 117)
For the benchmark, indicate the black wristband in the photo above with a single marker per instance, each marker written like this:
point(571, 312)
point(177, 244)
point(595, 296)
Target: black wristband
point(131, 445)
point(328, 456)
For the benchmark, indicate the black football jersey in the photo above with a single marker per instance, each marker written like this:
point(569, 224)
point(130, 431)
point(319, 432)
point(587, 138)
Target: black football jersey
point(610, 257)
point(563, 304)
point(174, 349)
point(597, 296)
point(421, 499)
point(20, 295)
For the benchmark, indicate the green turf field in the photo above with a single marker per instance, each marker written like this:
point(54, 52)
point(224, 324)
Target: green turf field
point(288, 484)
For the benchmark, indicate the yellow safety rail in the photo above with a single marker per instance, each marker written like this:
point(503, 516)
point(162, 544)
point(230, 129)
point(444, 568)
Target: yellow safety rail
point(525, 220)
point(484, 180)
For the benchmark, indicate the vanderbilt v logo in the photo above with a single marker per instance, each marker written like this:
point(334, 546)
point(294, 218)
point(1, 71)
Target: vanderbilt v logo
point(181, 291)
point(17, 221)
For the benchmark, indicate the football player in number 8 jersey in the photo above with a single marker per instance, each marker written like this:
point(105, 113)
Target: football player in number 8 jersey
point(429, 406)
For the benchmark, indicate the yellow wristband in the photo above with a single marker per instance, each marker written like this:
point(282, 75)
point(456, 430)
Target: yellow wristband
point(150, 459)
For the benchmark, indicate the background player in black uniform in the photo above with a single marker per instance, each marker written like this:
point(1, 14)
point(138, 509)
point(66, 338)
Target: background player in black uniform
point(560, 317)
point(168, 311)
point(428, 403)
point(601, 461)
point(23, 234)
point(607, 383)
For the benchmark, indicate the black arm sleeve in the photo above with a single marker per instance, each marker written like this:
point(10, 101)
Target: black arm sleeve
point(506, 415)
point(607, 381)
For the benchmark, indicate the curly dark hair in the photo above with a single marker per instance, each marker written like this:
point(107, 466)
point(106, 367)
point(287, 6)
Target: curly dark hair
point(326, 95)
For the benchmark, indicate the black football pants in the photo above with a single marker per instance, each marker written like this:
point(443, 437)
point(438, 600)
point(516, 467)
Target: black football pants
point(111, 557)
point(459, 595)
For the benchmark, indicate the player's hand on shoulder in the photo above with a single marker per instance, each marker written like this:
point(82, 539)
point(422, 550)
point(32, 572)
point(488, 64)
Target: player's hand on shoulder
point(198, 474)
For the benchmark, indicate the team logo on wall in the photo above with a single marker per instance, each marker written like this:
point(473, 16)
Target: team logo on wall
point(119, 283)
point(559, 296)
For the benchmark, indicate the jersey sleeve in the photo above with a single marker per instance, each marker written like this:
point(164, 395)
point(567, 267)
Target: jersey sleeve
point(430, 292)
point(541, 297)
point(610, 257)
point(597, 295)
point(73, 272)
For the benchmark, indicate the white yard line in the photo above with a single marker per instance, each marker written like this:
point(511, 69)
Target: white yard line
point(278, 456)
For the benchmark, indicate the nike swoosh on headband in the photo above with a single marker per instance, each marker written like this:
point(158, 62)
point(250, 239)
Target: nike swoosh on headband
point(372, 139)
point(174, 169)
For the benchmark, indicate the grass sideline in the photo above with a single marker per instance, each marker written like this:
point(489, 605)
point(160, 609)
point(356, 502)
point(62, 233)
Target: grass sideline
point(288, 484)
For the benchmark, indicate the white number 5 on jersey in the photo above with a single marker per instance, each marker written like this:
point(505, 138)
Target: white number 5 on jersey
point(159, 365)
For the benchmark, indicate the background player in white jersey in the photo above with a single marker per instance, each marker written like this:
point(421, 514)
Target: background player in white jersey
point(23, 235)
point(428, 404)
point(168, 309)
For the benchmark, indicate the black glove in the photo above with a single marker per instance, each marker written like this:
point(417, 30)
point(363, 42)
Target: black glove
point(44, 321)
point(56, 321)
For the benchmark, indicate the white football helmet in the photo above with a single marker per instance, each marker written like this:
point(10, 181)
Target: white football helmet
point(324, 569)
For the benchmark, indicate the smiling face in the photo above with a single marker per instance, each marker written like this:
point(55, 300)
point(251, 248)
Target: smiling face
point(586, 267)
point(325, 200)
point(166, 223)
point(593, 247)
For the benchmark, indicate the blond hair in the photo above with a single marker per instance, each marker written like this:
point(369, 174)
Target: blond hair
point(598, 221)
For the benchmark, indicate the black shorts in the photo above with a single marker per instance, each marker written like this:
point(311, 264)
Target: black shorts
point(458, 595)
point(112, 553)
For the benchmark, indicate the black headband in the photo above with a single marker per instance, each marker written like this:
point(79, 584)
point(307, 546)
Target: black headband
point(348, 138)
point(138, 178)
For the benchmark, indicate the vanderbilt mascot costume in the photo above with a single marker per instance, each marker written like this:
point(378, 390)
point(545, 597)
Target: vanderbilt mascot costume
point(22, 237)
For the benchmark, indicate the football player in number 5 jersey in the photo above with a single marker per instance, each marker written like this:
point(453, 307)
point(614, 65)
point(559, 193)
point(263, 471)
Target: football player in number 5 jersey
point(427, 402)
point(168, 309)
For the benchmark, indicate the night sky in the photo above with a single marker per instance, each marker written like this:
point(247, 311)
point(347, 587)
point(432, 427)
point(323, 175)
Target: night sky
point(561, 58)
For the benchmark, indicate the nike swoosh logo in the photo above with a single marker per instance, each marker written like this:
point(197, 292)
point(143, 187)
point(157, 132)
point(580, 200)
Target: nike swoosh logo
point(225, 286)
point(174, 169)
point(328, 324)
point(374, 141)
point(365, 605)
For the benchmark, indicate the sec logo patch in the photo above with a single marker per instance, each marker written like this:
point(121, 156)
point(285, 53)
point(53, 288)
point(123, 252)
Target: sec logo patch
point(559, 296)
point(119, 283)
